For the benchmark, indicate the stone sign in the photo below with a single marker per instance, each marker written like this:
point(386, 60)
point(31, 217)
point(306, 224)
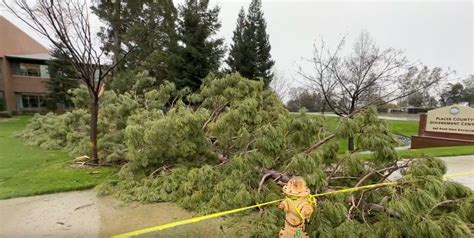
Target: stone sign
point(453, 119)
point(446, 126)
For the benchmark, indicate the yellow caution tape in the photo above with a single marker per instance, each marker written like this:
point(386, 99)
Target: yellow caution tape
point(218, 214)
point(192, 220)
point(353, 189)
point(458, 174)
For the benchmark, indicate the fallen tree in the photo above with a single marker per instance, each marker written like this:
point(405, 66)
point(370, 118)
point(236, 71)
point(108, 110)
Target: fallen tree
point(233, 144)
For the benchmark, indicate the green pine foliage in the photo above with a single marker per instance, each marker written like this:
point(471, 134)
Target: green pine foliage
point(200, 51)
point(144, 29)
point(250, 51)
point(207, 151)
point(63, 78)
point(242, 51)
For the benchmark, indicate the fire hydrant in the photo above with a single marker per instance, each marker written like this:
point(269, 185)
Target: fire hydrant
point(299, 206)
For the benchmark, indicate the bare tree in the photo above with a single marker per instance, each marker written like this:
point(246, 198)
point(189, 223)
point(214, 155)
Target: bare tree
point(419, 83)
point(66, 24)
point(367, 76)
point(280, 85)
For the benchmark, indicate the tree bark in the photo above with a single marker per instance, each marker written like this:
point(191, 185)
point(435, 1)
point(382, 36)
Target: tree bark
point(350, 144)
point(276, 175)
point(116, 36)
point(93, 132)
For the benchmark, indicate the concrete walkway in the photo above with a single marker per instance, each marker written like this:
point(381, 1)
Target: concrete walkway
point(461, 164)
point(72, 214)
point(84, 214)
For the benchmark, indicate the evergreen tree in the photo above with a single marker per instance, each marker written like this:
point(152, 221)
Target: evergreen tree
point(200, 51)
point(242, 56)
point(258, 25)
point(250, 52)
point(148, 27)
point(155, 40)
point(63, 77)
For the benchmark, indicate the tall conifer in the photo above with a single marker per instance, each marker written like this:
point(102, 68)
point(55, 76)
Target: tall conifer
point(147, 26)
point(200, 51)
point(250, 51)
point(242, 54)
point(63, 77)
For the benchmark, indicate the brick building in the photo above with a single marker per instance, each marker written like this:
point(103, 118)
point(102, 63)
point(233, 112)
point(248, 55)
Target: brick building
point(23, 69)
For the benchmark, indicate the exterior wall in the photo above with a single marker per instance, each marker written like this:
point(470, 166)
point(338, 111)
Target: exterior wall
point(29, 84)
point(2, 88)
point(14, 41)
point(14, 84)
point(9, 94)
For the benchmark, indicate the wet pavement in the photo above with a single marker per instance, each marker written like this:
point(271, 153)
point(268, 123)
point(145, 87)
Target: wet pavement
point(84, 214)
point(461, 164)
point(72, 214)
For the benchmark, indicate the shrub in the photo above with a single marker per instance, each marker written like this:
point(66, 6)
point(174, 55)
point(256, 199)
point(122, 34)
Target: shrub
point(5, 114)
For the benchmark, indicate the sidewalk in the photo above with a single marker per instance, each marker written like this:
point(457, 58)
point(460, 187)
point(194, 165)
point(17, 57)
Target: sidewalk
point(461, 164)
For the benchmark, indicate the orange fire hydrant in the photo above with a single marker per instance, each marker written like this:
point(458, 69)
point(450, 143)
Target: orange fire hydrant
point(299, 206)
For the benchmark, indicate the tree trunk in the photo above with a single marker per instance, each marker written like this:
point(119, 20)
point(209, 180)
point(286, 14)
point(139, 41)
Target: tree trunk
point(116, 36)
point(350, 140)
point(350, 143)
point(93, 132)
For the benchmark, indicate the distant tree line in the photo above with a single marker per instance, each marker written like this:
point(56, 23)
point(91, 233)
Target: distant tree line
point(371, 76)
point(451, 93)
point(458, 93)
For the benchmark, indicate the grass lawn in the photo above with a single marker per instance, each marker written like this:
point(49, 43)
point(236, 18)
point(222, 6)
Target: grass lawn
point(29, 170)
point(405, 128)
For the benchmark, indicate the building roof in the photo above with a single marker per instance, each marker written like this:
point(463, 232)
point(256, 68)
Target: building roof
point(14, 41)
point(40, 56)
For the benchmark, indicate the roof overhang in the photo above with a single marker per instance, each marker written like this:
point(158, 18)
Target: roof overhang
point(36, 57)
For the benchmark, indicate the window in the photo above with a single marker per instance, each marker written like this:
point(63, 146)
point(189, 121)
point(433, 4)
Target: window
point(44, 71)
point(96, 75)
point(30, 70)
point(32, 101)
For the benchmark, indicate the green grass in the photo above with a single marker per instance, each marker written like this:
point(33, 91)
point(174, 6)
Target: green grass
point(29, 170)
point(405, 128)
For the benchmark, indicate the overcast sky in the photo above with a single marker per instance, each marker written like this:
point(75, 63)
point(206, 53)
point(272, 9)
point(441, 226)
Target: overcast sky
point(434, 33)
